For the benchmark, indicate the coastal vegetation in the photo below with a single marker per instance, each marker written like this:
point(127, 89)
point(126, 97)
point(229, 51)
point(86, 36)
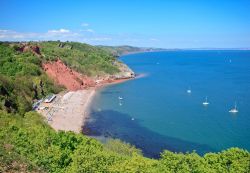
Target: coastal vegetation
point(28, 140)
point(21, 79)
point(29, 144)
point(84, 58)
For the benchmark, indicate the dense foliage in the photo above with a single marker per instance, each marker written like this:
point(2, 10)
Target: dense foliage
point(21, 79)
point(82, 57)
point(35, 144)
point(28, 144)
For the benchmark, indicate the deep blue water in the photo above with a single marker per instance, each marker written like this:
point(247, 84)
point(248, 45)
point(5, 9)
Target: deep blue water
point(157, 112)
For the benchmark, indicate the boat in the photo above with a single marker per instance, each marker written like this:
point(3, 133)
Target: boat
point(189, 91)
point(132, 119)
point(234, 110)
point(120, 98)
point(120, 104)
point(206, 102)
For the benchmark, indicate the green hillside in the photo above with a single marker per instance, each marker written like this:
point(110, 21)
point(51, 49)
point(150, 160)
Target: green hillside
point(31, 142)
point(28, 144)
point(84, 58)
point(21, 79)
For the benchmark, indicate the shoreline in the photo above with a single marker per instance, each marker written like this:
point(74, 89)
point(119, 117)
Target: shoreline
point(70, 109)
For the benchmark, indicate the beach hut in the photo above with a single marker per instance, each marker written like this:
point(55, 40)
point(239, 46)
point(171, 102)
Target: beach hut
point(50, 98)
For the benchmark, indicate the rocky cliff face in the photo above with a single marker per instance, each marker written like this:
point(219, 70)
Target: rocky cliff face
point(72, 80)
point(125, 71)
point(67, 77)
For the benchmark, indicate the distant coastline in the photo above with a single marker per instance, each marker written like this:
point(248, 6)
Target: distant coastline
point(127, 50)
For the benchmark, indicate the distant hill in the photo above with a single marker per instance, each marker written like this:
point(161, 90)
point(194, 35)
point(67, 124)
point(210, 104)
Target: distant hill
point(123, 50)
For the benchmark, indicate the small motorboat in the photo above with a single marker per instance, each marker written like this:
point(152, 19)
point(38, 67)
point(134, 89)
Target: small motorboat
point(234, 110)
point(189, 91)
point(120, 98)
point(205, 103)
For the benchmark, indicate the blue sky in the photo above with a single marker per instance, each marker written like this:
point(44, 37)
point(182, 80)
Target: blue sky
point(148, 23)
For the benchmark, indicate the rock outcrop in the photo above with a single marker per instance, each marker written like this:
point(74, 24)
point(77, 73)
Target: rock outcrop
point(25, 47)
point(125, 71)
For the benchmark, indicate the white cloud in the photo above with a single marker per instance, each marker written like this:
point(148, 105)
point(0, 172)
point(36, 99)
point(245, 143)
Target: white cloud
point(55, 34)
point(154, 39)
point(89, 30)
point(18, 36)
point(3, 30)
point(84, 24)
point(86, 35)
point(59, 31)
point(63, 34)
point(5, 34)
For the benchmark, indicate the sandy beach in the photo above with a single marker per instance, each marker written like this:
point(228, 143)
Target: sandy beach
point(68, 110)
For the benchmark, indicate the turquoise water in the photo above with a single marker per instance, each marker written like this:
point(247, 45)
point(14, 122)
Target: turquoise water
point(157, 112)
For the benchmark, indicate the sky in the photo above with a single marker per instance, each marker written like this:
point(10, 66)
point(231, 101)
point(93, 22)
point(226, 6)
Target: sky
point(144, 23)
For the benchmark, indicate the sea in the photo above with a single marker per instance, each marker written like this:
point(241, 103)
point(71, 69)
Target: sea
point(156, 112)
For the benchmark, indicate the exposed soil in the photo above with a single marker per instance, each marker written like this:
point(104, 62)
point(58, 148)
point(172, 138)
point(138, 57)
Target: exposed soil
point(67, 77)
point(29, 48)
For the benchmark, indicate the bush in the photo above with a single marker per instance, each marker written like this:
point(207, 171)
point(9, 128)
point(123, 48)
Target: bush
point(32, 139)
point(122, 148)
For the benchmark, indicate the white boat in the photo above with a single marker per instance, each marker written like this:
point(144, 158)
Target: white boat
point(189, 91)
point(132, 119)
point(120, 98)
point(206, 102)
point(120, 104)
point(234, 110)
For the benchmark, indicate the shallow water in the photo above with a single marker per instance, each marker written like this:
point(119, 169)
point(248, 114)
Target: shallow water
point(157, 113)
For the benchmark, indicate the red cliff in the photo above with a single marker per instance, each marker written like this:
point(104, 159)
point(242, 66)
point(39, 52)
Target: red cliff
point(67, 77)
